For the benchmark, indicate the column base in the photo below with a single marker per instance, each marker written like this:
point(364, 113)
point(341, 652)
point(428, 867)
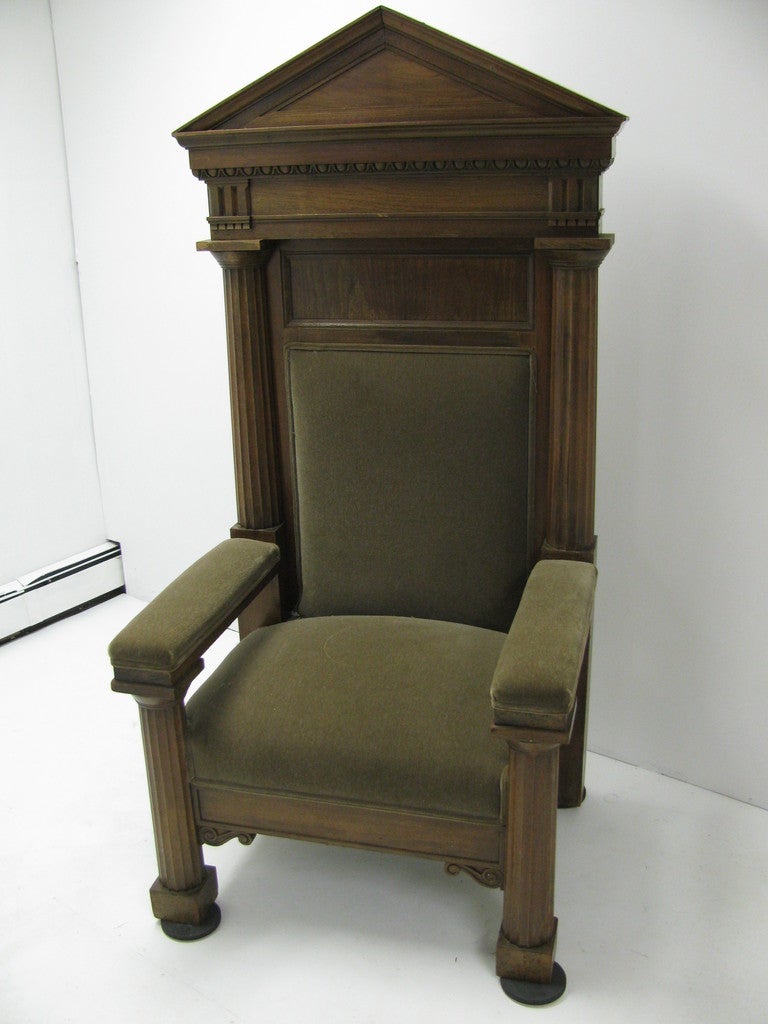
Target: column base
point(529, 974)
point(189, 907)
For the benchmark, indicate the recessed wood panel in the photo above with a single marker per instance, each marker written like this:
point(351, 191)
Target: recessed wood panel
point(396, 288)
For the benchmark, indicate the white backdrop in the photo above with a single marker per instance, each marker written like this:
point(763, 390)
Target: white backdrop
point(50, 505)
point(680, 665)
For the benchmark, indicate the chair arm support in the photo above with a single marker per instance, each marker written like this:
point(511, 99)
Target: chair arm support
point(165, 640)
point(535, 681)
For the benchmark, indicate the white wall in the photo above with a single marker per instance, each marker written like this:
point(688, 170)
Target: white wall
point(51, 504)
point(680, 656)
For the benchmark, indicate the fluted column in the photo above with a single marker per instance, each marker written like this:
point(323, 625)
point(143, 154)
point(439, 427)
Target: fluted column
point(526, 945)
point(571, 457)
point(573, 374)
point(251, 387)
point(178, 852)
point(186, 888)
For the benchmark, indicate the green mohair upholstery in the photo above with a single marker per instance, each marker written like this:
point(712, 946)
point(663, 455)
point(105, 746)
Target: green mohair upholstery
point(193, 610)
point(388, 712)
point(412, 474)
point(536, 678)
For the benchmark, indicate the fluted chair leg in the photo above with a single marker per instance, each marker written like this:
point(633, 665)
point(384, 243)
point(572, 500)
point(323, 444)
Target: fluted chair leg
point(183, 896)
point(526, 945)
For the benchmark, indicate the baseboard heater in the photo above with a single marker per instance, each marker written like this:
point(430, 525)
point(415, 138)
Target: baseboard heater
point(62, 589)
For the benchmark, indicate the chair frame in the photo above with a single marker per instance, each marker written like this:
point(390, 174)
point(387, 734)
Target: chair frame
point(522, 190)
point(187, 813)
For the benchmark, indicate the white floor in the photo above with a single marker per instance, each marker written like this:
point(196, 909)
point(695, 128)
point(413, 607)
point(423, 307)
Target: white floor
point(662, 891)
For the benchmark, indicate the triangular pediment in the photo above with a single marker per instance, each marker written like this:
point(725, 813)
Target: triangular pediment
point(388, 69)
point(383, 88)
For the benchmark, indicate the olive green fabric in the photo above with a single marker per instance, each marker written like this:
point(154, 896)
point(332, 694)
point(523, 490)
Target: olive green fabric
point(538, 671)
point(195, 608)
point(388, 712)
point(412, 471)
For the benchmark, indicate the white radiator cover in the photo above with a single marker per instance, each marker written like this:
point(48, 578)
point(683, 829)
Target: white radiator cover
point(60, 589)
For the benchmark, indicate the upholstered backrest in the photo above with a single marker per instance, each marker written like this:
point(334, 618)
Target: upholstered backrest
point(412, 479)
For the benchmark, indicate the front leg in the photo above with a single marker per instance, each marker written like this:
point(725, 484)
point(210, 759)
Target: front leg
point(184, 894)
point(526, 946)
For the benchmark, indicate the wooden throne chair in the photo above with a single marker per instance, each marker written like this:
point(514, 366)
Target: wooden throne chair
point(409, 234)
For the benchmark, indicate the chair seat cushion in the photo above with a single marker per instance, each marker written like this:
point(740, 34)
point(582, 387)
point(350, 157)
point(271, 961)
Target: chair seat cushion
point(377, 710)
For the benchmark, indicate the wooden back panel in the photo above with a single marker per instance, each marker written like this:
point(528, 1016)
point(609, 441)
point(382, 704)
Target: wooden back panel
point(393, 185)
point(431, 294)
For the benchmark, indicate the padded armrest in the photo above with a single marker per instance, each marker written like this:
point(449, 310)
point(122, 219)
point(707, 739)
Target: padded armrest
point(183, 620)
point(535, 681)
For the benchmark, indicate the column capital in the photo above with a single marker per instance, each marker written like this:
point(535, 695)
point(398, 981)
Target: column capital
point(238, 255)
point(575, 253)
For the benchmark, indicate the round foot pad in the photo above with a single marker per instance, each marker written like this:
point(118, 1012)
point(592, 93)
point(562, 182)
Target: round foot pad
point(190, 932)
point(536, 993)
